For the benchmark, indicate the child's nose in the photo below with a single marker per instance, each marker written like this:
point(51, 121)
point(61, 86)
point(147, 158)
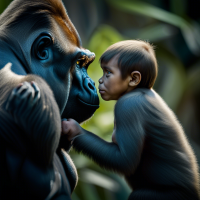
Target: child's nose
point(100, 80)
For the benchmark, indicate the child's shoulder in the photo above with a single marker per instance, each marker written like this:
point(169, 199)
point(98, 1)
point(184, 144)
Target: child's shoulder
point(138, 94)
point(137, 98)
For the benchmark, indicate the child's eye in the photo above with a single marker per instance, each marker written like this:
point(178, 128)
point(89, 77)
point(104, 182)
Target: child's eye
point(108, 72)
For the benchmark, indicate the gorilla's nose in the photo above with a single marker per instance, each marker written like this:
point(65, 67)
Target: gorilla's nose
point(89, 85)
point(90, 96)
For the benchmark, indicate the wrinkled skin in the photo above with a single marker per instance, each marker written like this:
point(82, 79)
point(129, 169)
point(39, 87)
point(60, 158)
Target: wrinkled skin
point(37, 37)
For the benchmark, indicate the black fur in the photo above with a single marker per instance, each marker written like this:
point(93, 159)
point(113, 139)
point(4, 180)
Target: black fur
point(37, 37)
point(152, 151)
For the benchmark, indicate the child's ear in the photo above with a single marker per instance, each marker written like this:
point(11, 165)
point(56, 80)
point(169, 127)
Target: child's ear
point(135, 79)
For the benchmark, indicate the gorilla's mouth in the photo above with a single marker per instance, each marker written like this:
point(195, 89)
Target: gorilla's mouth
point(88, 104)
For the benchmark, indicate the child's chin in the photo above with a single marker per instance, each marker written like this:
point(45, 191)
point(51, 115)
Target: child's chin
point(104, 98)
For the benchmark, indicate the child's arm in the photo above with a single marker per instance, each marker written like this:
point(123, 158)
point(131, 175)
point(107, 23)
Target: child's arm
point(122, 157)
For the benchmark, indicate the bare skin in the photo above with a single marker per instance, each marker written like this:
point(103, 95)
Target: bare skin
point(71, 128)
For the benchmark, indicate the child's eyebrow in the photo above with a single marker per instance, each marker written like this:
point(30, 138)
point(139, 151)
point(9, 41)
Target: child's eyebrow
point(105, 68)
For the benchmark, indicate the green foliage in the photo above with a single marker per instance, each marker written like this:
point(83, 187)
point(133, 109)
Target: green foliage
point(4, 4)
point(148, 10)
point(173, 82)
point(190, 30)
point(102, 121)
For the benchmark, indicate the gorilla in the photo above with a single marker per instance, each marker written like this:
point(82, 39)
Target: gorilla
point(46, 60)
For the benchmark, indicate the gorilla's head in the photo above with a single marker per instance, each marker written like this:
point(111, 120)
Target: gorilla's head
point(38, 37)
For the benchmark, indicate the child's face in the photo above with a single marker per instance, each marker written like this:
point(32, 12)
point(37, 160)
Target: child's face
point(111, 84)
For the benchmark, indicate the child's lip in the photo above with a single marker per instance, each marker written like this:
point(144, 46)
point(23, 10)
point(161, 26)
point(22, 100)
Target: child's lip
point(101, 91)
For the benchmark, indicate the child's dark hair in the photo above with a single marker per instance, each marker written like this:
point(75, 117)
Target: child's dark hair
point(134, 55)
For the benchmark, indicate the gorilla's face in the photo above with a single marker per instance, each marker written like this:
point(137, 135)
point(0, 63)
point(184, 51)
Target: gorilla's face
point(42, 40)
point(59, 59)
point(83, 99)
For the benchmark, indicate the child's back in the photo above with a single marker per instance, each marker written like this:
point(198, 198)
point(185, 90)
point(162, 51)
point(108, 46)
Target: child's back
point(166, 162)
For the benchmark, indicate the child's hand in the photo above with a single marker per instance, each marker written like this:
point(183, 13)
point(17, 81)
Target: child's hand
point(71, 128)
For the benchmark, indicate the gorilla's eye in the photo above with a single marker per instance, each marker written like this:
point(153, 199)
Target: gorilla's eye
point(80, 62)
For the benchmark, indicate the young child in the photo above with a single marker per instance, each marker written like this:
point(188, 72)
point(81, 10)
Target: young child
point(149, 147)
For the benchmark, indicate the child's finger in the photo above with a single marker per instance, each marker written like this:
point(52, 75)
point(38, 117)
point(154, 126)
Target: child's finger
point(65, 127)
point(65, 123)
point(64, 119)
point(70, 120)
point(65, 131)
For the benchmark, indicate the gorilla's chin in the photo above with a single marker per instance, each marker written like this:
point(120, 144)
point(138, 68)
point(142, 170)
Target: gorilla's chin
point(89, 110)
point(81, 105)
point(75, 106)
point(88, 104)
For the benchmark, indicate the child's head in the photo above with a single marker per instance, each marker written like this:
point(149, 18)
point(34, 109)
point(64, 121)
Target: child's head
point(135, 63)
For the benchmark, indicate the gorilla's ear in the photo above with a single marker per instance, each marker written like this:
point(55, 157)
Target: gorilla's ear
point(42, 46)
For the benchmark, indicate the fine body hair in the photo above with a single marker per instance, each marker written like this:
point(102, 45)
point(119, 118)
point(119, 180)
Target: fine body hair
point(39, 129)
point(152, 151)
point(134, 55)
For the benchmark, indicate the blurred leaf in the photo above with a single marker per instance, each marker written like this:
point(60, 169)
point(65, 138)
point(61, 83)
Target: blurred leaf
point(89, 192)
point(75, 196)
point(193, 80)
point(171, 79)
point(4, 4)
point(80, 160)
point(178, 7)
point(1, 6)
point(191, 35)
point(142, 8)
point(156, 32)
point(93, 177)
point(148, 10)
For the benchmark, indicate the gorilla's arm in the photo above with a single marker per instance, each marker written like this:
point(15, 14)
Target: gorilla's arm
point(35, 111)
point(123, 156)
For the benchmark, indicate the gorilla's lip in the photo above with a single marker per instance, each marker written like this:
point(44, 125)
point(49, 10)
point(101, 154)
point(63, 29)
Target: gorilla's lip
point(88, 104)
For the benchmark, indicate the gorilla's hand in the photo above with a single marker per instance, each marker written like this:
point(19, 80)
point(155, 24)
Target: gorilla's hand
point(22, 100)
point(34, 110)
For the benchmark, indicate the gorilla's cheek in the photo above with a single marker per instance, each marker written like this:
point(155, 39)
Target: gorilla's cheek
point(83, 98)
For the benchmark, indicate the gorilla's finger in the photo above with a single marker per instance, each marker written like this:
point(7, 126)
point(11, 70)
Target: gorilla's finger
point(20, 89)
point(37, 91)
point(25, 89)
point(19, 86)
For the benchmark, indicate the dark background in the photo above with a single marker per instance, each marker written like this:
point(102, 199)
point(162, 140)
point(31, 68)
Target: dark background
point(173, 26)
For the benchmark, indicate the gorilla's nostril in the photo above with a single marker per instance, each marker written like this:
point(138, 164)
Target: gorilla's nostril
point(91, 86)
